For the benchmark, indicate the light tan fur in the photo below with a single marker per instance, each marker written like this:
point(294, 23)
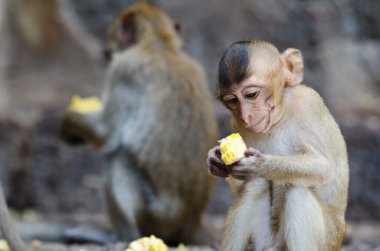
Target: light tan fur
point(302, 158)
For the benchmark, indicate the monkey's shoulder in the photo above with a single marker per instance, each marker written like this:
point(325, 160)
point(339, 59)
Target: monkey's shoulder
point(307, 108)
point(138, 61)
point(302, 94)
point(133, 57)
point(304, 100)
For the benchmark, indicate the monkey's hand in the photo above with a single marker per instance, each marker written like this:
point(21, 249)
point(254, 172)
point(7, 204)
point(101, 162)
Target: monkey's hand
point(215, 163)
point(248, 167)
point(78, 128)
point(68, 129)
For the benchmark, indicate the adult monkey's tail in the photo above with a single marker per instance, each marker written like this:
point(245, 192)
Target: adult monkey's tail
point(7, 228)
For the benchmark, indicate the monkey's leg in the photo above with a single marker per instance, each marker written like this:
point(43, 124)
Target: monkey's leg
point(302, 224)
point(123, 198)
point(249, 217)
point(335, 229)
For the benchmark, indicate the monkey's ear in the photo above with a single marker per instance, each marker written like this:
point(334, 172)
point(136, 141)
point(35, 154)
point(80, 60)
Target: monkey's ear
point(293, 66)
point(128, 29)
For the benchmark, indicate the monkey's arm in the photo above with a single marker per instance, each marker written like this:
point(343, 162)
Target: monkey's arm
point(306, 168)
point(77, 128)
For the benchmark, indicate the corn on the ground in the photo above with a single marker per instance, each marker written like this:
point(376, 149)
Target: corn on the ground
point(4, 245)
point(85, 105)
point(151, 243)
point(182, 247)
point(36, 244)
point(232, 148)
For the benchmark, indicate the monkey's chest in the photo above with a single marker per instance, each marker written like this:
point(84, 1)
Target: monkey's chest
point(273, 144)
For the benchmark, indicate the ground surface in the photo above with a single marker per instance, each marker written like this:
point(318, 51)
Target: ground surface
point(363, 236)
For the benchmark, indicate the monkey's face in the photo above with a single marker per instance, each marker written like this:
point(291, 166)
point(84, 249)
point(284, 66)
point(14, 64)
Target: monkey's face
point(252, 76)
point(141, 23)
point(249, 103)
point(121, 34)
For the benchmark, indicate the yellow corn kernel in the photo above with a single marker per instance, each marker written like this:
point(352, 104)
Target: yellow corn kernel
point(151, 243)
point(36, 244)
point(85, 105)
point(4, 245)
point(182, 247)
point(232, 148)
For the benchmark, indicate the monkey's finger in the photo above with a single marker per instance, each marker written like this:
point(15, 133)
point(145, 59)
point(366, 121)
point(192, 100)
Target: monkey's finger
point(242, 171)
point(245, 162)
point(251, 152)
point(218, 153)
point(219, 172)
point(216, 162)
point(222, 169)
point(215, 152)
point(243, 177)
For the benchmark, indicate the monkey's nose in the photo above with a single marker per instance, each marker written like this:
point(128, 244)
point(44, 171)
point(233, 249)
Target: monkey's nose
point(245, 122)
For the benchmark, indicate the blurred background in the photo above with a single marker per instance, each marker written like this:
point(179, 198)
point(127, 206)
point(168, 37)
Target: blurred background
point(52, 49)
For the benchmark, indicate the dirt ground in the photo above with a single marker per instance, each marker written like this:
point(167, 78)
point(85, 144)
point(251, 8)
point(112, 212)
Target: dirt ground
point(113, 247)
point(363, 236)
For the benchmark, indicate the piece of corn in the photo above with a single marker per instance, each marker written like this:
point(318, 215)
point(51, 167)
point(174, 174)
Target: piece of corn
point(4, 245)
point(36, 244)
point(232, 148)
point(151, 243)
point(85, 105)
point(182, 247)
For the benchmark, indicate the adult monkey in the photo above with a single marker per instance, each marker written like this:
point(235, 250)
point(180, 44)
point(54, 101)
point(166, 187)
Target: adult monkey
point(156, 125)
point(291, 187)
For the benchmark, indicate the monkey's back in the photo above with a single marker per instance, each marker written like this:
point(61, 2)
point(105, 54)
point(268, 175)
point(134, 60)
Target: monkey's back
point(331, 145)
point(318, 128)
point(168, 124)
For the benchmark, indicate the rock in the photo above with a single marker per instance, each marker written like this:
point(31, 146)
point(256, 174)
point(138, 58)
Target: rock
point(363, 148)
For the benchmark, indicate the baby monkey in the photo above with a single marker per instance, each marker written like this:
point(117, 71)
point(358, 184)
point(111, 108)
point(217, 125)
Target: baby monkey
point(291, 187)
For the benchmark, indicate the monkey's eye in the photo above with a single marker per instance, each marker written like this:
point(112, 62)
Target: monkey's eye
point(230, 101)
point(251, 95)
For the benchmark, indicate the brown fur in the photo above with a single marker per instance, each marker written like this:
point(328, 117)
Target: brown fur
point(156, 126)
point(36, 21)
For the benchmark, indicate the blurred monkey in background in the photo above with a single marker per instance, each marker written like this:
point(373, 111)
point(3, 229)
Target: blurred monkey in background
point(156, 125)
point(45, 26)
point(36, 21)
point(291, 187)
